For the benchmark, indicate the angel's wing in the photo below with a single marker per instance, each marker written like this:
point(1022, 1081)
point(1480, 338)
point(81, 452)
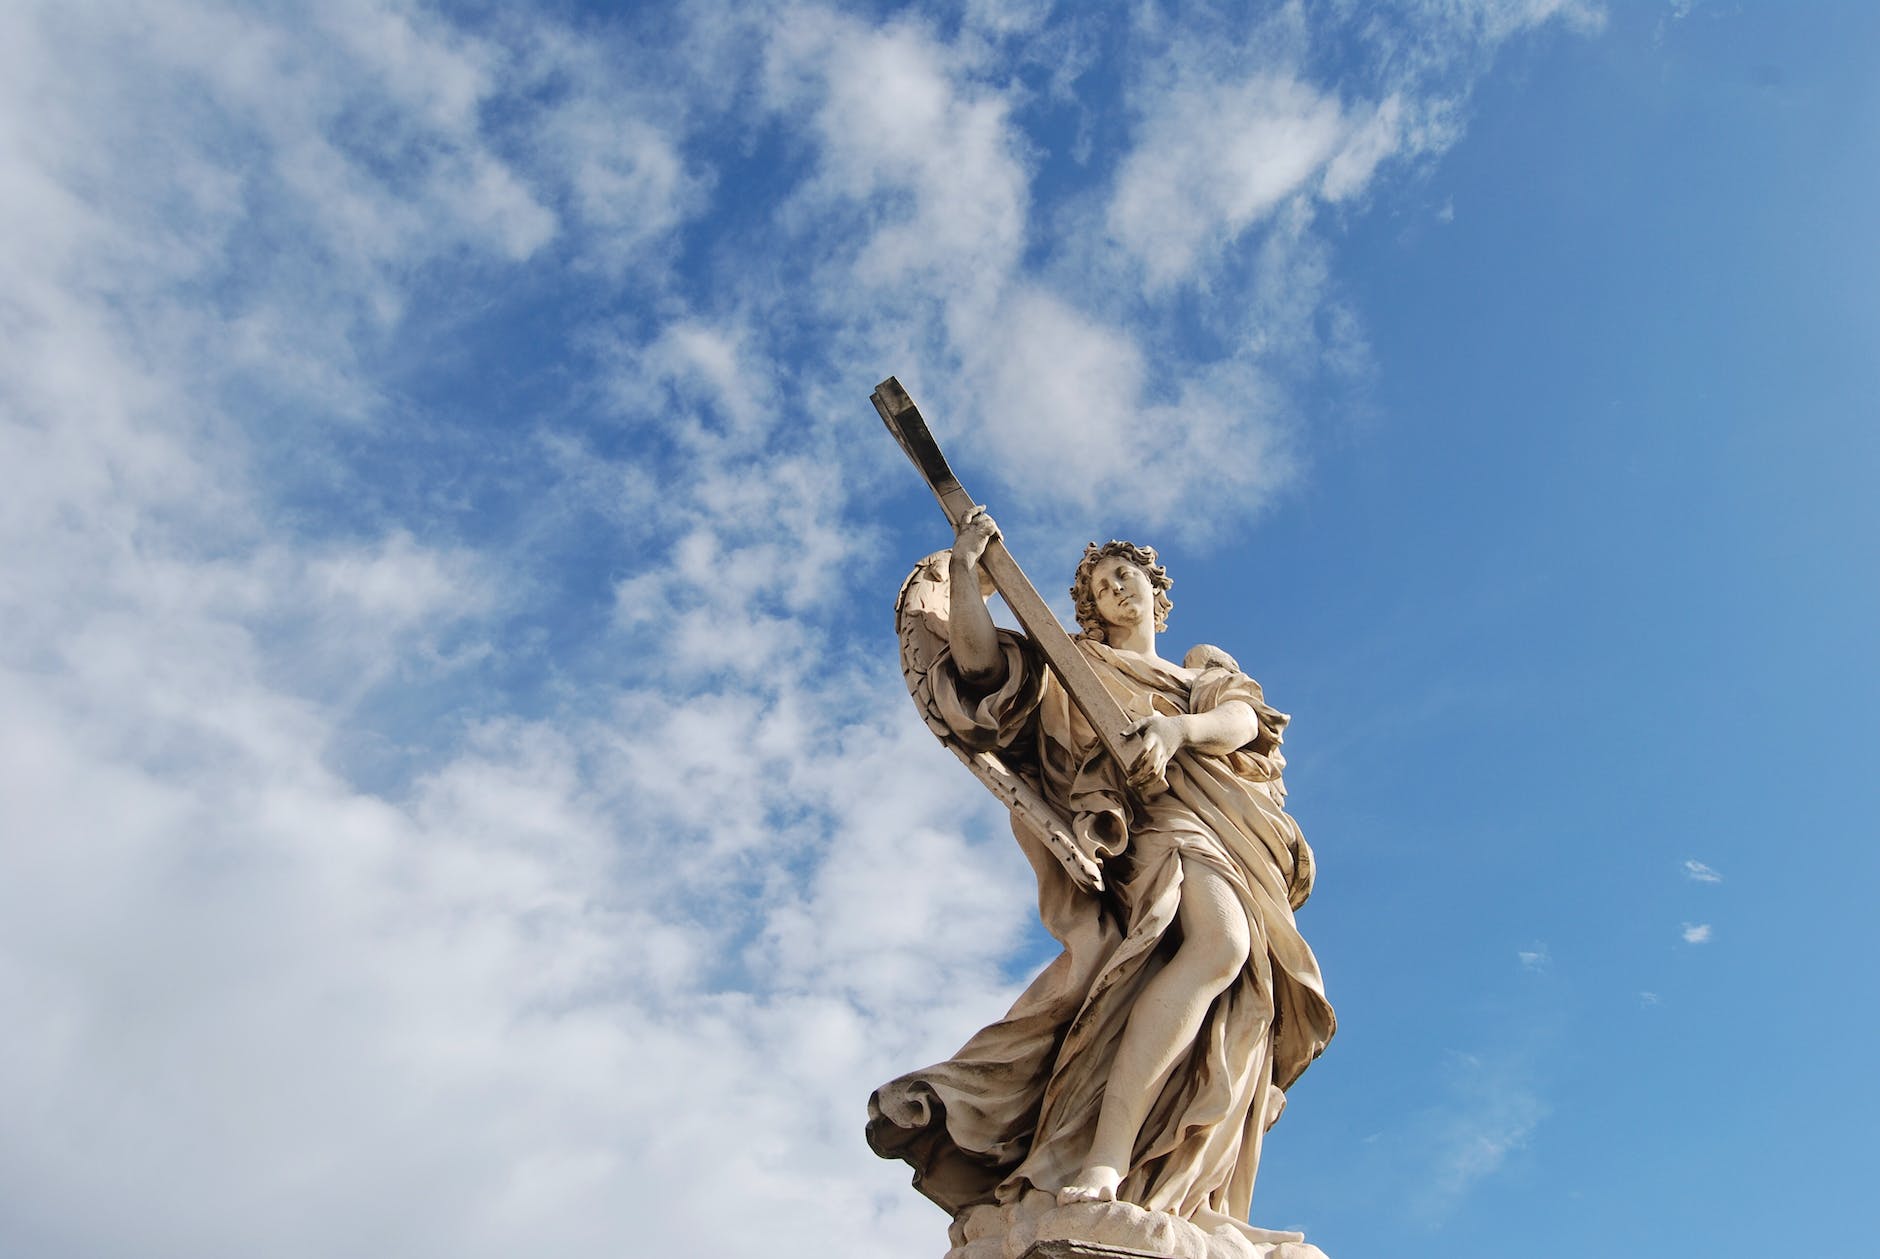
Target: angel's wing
point(920, 618)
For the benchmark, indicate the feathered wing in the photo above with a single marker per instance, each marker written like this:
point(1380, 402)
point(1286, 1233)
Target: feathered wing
point(920, 618)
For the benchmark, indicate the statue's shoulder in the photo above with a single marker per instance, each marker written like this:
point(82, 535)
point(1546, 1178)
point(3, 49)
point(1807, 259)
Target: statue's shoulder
point(1208, 656)
point(1216, 676)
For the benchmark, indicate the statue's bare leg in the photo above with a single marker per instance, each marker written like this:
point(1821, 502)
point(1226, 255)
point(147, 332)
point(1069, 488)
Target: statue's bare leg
point(1163, 1024)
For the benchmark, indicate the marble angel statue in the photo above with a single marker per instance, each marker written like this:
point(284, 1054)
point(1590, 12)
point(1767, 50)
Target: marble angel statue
point(1139, 1072)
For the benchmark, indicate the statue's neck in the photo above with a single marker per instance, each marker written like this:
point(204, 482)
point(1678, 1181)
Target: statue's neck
point(1137, 640)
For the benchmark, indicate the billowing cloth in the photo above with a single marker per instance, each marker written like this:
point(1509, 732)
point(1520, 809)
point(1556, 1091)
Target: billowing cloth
point(1017, 1106)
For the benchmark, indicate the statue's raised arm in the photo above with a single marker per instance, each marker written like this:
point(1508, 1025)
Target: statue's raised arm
point(1124, 1098)
point(975, 640)
point(922, 616)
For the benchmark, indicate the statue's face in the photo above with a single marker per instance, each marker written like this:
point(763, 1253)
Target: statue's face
point(1123, 594)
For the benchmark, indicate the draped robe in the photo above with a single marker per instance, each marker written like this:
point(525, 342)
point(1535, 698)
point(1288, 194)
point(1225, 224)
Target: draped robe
point(1016, 1108)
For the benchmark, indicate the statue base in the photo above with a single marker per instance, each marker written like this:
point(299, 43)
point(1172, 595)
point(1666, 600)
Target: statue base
point(1036, 1227)
point(1063, 1249)
point(1083, 1250)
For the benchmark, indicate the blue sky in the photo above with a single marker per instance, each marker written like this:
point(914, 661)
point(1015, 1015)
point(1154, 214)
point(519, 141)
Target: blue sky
point(456, 791)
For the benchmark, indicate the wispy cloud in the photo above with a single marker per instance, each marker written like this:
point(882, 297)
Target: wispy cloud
point(1649, 999)
point(1495, 1110)
point(1696, 933)
point(1535, 959)
point(1698, 872)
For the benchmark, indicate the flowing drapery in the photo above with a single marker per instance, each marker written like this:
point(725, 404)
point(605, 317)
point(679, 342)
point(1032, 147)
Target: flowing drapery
point(1017, 1106)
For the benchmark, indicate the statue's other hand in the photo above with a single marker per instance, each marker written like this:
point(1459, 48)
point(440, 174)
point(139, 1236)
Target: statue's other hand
point(976, 530)
point(1158, 738)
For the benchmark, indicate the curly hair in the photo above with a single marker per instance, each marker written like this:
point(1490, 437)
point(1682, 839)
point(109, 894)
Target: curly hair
point(1142, 557)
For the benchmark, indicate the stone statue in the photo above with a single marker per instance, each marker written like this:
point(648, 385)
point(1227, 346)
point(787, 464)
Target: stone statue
point(1122, 1101)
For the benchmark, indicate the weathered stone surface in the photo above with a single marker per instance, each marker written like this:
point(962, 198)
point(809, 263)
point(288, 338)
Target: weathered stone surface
point(1035, 1227)
point(977, 1222)
point(1064, 1248)
point(1122, 1226)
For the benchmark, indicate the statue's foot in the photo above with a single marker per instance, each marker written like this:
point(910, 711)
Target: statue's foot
point(1095, 1183)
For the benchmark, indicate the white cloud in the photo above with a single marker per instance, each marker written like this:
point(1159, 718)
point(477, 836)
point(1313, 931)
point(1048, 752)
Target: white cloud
point(920, 160)
point(1698, 872)
point(1696, 933)
point(1441, 44)
point(628, 178)
point(924, 157)
point(1536, 958)
point(1069, 391)
point(1493, 1111)
point(699, 367)
point(1217, 156)
point(614, 146)
point(1232, 130)
point(1650, 999)
point(399, 581)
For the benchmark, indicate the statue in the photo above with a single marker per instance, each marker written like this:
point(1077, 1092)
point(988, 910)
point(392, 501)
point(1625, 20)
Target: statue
point(1123, 1099)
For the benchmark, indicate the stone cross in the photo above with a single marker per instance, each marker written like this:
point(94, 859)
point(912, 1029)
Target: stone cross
point(1106, 717)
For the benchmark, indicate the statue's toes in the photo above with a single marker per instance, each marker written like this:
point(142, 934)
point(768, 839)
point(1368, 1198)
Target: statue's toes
point(1097, 1185)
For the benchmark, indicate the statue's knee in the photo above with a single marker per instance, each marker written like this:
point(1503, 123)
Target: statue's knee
point(1217, 939)
point(1218, 960)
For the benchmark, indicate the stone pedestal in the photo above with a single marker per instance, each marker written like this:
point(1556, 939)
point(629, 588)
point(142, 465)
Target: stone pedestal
point(1064, 1248)
point(1038, 1228)
point(1068, 1248)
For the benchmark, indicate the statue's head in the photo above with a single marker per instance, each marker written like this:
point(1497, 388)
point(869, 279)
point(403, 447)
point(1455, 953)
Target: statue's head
point(1118, 583)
